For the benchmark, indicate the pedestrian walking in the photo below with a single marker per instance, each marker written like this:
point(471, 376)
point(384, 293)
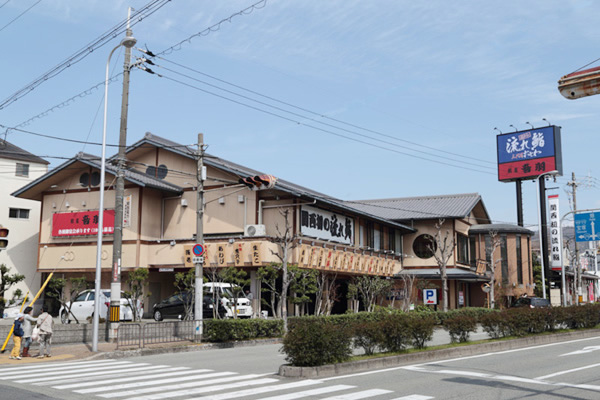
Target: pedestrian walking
point(46, 324)
point(28, 320)
point(15, 354)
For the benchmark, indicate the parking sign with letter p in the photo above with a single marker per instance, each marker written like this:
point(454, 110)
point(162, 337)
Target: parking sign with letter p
point(430, 296)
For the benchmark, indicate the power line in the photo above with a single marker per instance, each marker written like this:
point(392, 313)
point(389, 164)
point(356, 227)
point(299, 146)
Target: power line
point(315, 113)
point(79, 55)
point(18, 16)
point(321, 129)
point(5, 3)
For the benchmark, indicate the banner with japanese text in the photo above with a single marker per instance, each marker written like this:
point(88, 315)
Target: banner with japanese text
point(82, 223)
point(326, 225)
point(555, 233)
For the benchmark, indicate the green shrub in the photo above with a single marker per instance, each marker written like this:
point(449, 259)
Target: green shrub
point(396, 332)
point(369, 336)
point(493, 324)
point(460, 327)
point(421, 329)
point(225, 330)
point(316, 342)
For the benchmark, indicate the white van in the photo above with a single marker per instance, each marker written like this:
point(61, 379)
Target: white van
point(226, 294)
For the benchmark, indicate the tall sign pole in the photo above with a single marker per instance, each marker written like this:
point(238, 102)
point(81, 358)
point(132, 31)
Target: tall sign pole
point(518, 183)
point(198, 266)
point(115, 283)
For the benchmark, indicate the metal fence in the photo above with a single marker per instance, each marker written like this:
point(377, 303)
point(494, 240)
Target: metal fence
point(140, 335)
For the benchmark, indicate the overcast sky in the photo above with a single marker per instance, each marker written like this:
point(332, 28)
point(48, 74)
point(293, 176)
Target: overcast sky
point(355, 99)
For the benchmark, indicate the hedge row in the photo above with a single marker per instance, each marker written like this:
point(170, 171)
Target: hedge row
point(313, 341)
point(225, 330)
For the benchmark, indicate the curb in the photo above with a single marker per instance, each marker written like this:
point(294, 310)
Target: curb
point(179, 349)
point(427, 356)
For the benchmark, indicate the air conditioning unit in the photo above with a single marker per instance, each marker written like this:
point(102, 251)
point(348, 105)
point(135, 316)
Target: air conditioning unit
point(255, 230)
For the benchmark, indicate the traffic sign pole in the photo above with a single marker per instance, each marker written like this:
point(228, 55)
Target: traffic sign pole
point(198, 267)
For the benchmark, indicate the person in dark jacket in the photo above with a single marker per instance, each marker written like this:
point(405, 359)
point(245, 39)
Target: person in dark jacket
point(15, 354)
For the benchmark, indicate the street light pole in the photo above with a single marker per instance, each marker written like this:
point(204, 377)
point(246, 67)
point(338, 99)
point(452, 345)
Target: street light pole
point(542, 227)
point(128, 41)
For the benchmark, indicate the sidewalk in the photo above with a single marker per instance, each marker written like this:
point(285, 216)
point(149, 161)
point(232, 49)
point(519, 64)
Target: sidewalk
point(60, 352)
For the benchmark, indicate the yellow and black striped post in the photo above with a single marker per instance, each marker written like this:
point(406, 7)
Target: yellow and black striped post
point(115, 313)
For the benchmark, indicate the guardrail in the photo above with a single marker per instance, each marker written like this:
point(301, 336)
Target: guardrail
point(140, 335)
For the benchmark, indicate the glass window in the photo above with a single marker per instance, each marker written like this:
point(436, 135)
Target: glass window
point(361, 236)
point(370, 235)
point(424, 246)
point(399, 249)
point(519, 260)
point(81, 297)
point(22, 170)
point(504, 262)
point(377, 239)
point(91, 296)
point(473, 251)
point(462, 249)
point(20, 213)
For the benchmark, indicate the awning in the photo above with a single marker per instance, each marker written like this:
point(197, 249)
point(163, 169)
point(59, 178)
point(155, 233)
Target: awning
point(452, 273)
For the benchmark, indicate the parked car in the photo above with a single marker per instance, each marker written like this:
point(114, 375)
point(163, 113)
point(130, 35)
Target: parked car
point(83, 307)
point(531, 302)
point(227, 293)
point(173, 307)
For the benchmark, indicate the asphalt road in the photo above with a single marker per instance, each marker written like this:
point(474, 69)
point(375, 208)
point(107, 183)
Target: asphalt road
point(564, 370)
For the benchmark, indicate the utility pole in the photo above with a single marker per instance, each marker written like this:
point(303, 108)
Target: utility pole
point(198, 273)
point(115, 284)
point(577, 267)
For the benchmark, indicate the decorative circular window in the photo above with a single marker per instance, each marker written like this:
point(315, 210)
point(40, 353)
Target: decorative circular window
point(84, 179)
point(95, 179)
point(162, 171)
point(424, 246)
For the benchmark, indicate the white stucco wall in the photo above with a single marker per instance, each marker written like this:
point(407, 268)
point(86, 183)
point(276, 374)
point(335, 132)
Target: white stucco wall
point(21, 254)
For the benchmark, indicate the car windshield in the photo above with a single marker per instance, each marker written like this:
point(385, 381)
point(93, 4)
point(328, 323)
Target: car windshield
point(106, 293)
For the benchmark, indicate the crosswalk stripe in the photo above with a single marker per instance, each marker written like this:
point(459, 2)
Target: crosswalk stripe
point(52, 375)
point(129, 377)
point(360, 395)
point(156, 382)
point(260, 390)
point(414, 397)
point(64, 370)
point(311, 392)
point(44, 366)
point(88, 375)
point(206, 389)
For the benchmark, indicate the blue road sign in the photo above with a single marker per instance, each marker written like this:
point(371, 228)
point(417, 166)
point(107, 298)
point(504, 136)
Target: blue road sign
point(430, 296)
point(587, 226)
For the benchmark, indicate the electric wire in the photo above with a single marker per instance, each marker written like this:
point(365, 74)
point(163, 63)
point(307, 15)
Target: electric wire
point(18, 16)
point(315, 113)
point(137, 16)
point(5, 3)
point(318, 128)
point(321, 122)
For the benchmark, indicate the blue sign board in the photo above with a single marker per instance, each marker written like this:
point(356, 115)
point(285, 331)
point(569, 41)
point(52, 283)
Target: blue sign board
point(587, 227)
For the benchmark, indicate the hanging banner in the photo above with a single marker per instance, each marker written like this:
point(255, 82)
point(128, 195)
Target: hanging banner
point(326, 225)
point(238, 254)
point(555, 233)
point(127, 210)
point(82, 223)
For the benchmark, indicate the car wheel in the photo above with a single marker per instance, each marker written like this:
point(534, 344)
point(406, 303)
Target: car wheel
point(64, 317)
point(157, 315)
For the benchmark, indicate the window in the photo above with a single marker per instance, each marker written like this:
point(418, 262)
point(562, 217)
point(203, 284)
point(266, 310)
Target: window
point(519, 260)
point(22, 170)
point(462, 248)
point(504, 262)
point(376, 239)
point(473, 251)
point(19, 213)
point(81, 297)
point(370, 235)
point(361, 236)
point(392, 240)
point(424, 246)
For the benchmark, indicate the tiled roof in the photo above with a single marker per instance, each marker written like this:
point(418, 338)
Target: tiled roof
point(244, 172)
point(500, 228)
point(425, 207)
point(12, 152)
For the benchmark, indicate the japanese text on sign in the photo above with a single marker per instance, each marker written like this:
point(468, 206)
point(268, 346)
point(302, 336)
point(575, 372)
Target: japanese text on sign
point(82, 223)
point(326, 225)
point(555, 233)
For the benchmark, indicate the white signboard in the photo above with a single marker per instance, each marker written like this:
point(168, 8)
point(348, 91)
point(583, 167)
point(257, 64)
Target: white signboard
point(430, 296)
point(326, 225)
point(555, 233)
point(127, 210)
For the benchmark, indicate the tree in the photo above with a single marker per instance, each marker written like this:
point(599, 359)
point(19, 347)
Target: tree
point(286, 242)
point(495, 242)
point(369, 287)
point(56, 289)
point(238, 278)
point(268, 276)
point(304, 283)
point(408, 281)
point(442, 248)
point(185, 282)
point(328, 293)
point(215, 275)
point(136, 280)
point(7, 280)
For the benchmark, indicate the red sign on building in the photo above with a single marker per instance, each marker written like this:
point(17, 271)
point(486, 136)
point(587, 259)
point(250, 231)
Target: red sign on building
point(82, 223)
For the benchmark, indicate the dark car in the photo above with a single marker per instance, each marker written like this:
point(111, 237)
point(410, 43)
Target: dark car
point(532, 302)
point(173, 307)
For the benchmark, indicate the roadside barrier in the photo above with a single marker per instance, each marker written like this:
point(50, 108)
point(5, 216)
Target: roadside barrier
point(141, 335)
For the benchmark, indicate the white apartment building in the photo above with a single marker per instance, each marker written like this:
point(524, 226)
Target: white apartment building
point(18, 167)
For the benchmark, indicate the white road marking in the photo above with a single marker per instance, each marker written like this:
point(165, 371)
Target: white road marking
point(568, 371)
point(206, 389)
point(54, 372)
point(260, 390)
point(360, 395)
point(312, 392)
point(587, 349)
point(179, 386)
point(414, 397)
point(103, 371)
point(146, 383)
point(179, 371)
point(46, 366)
